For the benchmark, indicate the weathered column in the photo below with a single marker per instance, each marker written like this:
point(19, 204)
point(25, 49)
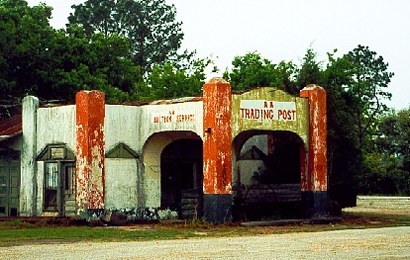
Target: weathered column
point(315, 195)
point(305, 180)
point(28, 156)
point(90, 113)
point(217, 184)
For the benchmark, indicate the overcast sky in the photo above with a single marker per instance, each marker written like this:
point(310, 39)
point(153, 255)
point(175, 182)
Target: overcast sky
point(285, 29)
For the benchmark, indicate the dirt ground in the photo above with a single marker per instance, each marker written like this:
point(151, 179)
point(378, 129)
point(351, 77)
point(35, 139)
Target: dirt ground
point(377, 243)
point(358, 243)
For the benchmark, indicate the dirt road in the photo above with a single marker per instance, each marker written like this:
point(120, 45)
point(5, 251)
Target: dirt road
point(378, 243)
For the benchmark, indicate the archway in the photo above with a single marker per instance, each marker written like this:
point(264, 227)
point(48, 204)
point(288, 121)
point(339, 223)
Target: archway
point(181, 177)
point(164, 154)
point(267, 175)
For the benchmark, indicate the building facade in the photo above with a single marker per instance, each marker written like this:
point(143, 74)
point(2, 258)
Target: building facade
point(192, 155)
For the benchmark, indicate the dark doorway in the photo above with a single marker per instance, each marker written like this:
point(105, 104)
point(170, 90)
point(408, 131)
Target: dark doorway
point(181, 177)
point(9, 183)
point(59, 188)
point(267, 184)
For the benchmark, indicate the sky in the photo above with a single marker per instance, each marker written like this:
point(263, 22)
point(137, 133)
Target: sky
point(285, 29)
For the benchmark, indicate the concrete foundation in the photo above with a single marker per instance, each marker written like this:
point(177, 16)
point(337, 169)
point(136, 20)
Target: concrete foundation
point(315, 204)
point(217, 208)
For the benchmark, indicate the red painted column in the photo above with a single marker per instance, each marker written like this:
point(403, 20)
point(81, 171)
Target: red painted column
point(217, 169)
point(90, 114)
point(317, 151)
point(217, 137)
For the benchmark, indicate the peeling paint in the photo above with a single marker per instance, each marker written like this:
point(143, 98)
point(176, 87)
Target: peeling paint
point(317, 160)
point(28, 156)
point(217, 107)
point(90, 114)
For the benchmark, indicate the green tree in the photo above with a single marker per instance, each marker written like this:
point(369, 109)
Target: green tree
point(388, 161)
point(251, 70)
point(343, 150)
point(368, 88)
point(167, 81)
point(150, 26)
point(394, 134)
point(24, 40)
point(355, 84)
point(98, 62)
point(54, 64)
point(310, 71)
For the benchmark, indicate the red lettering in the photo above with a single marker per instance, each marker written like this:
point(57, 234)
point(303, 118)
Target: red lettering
point(286, 114)
point(294, 114)
point(280, 114)
point(257, 113)
point(186, 118)
point(247, 113)
point(271, 114)
point(265, 114)
point(242, 112)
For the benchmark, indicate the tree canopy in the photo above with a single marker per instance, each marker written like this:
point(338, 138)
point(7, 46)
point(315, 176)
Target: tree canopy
point(150, 26)
point(54, 64)
point(387, 159)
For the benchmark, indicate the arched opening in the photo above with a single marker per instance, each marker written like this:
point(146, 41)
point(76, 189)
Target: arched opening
point(182, 176)
point(267, 175)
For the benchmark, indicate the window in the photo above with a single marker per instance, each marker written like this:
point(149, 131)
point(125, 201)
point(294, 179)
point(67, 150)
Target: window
point(51, 175)
point(69, 180)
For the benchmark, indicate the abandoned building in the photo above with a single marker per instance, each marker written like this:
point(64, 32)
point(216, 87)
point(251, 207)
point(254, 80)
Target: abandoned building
point(221, 156)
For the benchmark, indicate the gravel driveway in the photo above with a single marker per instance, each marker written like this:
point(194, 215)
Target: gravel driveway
point(377, 243)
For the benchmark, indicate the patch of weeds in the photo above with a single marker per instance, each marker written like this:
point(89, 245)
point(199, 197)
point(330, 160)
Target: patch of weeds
point(15, 224)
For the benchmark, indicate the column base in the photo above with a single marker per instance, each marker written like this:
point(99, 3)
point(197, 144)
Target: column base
point(217, 208)
point(315, 204)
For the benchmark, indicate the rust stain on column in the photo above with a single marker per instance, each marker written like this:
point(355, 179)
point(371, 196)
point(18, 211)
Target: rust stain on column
point(317, 161)
point(305, 182)
point(217, 102)
point(90, 113)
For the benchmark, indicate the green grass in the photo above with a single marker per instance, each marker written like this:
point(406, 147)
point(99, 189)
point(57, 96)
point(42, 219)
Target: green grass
point(18, 232)
point(15, 236)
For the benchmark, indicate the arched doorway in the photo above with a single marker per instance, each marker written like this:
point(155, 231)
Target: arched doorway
point(181, 177)
point(267, 175)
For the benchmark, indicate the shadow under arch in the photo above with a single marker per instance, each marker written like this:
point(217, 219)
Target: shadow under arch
point(268, 170)
point(182, 177)
point(157, 155)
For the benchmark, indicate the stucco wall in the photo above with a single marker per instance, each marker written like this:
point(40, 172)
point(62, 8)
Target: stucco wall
point(56, 125)
point(187, 116)
point(121, 181)
point(121, 174)
point(122, 124)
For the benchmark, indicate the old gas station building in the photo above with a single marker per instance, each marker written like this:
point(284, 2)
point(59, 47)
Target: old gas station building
point(213, 155)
